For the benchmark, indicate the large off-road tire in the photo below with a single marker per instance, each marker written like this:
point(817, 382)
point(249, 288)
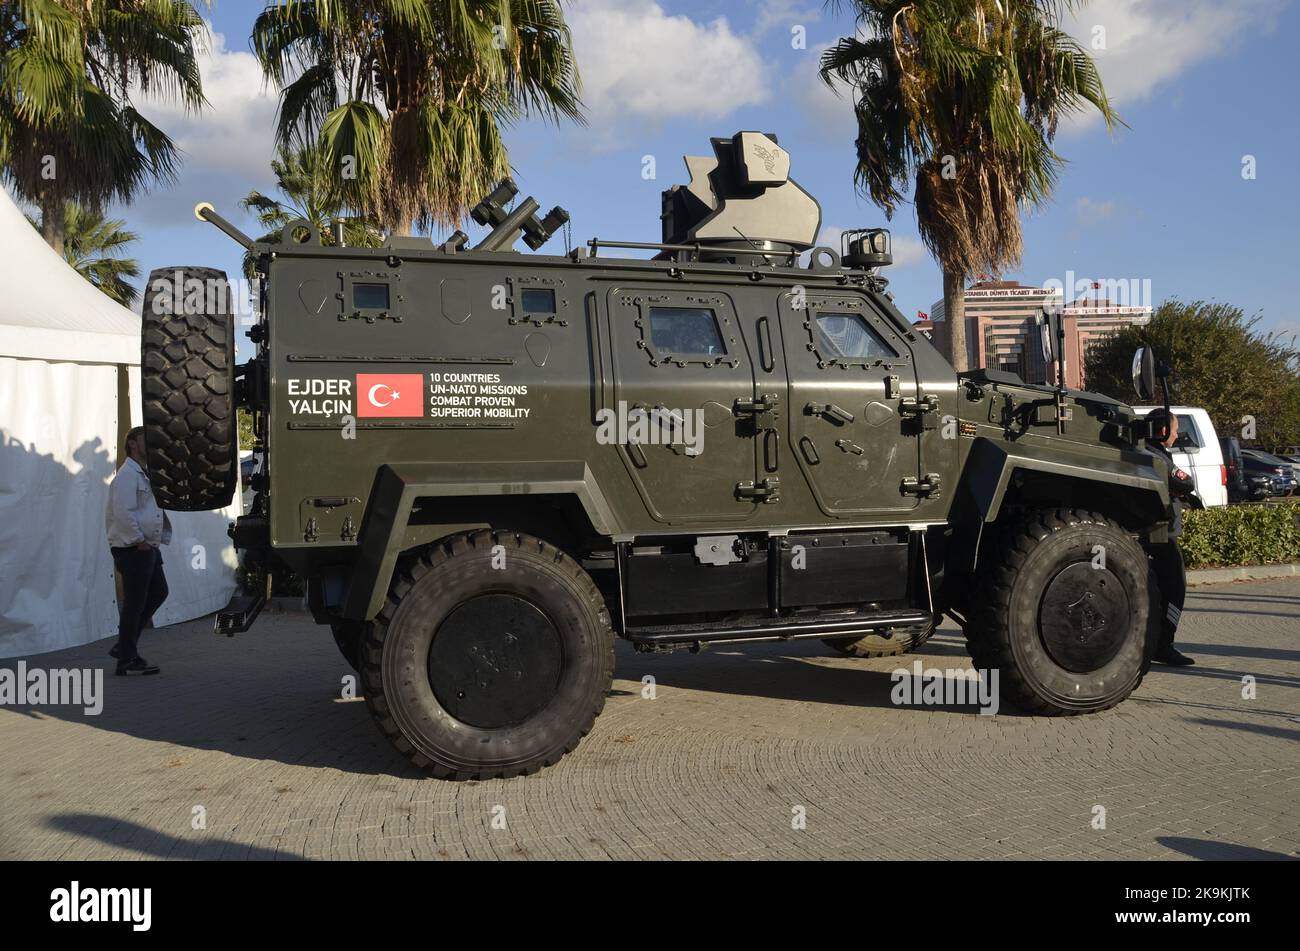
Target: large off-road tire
point(492, 656)
point(894, 640)
point(187, 375)
point(1064, 613)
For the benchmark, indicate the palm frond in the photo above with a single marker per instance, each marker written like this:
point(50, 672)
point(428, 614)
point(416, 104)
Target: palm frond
point(414, 95)
point(70, 74)
point(963, 98)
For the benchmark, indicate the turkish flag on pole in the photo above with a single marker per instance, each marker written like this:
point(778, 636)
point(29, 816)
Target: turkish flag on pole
point(390, 394)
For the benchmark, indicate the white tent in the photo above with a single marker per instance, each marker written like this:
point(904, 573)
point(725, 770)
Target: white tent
point(69, 391)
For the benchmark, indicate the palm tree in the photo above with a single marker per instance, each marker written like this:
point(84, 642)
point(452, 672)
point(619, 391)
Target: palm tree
point(311, 195)
point(963, 97)
point(69, 71)
point(93, 245)
point(408, 98)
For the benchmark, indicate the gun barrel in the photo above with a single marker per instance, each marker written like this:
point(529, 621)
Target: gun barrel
point(205, 212)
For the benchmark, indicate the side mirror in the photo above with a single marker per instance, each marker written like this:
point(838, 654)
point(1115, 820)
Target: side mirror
point(1144, 374)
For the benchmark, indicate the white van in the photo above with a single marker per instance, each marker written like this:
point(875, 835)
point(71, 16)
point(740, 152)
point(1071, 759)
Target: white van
point(1197, 451)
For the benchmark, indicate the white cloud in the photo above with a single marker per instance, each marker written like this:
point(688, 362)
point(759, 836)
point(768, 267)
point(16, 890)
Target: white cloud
point(638, 62)
point(908, 251)
point(1090, 211)
point(828, 114)
point(785, 15)
point(227, 147)
point(1142, 45)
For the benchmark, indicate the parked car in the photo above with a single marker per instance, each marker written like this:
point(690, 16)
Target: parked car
point(1238, 487)
point(1197, 451)
point(1281, 478)
point(1291, 455)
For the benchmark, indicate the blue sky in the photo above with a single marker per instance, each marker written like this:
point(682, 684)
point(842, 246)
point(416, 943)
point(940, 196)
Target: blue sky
point(1201, 83)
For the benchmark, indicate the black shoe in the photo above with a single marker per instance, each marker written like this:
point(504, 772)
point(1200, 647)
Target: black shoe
point(115, 652)
point(1173, 657)
point(137, 666)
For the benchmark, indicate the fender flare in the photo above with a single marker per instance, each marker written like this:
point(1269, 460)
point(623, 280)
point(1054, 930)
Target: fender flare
point(990, 468)
point(398, 485)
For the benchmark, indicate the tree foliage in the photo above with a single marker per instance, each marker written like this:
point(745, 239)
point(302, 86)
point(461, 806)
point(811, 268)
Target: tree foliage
point(1219, 361)
point(308, 192)
point(961, 99)
point(247, 438)
point(408, 98)
point(95, 247)
point(70, 74)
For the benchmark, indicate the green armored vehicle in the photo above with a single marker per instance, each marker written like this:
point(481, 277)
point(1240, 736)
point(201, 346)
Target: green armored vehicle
point(487, 464)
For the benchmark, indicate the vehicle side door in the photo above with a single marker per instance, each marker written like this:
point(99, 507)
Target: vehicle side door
point(851, 376)
point(682, 368)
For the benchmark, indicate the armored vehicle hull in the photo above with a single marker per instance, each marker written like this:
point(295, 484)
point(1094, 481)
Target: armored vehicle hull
point(486, 465)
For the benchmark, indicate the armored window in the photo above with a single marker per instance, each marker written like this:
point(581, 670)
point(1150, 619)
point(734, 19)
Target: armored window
point(538, 300)
point(848, 337)
point(370, 296)
point(686, 332)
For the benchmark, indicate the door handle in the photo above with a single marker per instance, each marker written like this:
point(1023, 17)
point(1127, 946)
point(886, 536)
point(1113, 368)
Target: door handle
point(765, 354)
point(835, 414)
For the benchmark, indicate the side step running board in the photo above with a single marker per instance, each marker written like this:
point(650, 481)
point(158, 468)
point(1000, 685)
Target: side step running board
point(773, 629)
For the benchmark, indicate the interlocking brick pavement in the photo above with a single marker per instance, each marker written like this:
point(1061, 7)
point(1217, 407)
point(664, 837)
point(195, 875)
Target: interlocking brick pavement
point(736, 741)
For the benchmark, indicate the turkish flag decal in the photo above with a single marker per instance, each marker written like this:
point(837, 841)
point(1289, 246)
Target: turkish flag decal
point(390, 394)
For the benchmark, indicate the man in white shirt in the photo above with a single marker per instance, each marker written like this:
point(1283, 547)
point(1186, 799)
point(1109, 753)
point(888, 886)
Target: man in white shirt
point(136, 528)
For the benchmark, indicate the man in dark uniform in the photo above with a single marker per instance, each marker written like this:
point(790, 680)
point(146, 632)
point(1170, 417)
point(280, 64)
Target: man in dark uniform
point(1168, 565)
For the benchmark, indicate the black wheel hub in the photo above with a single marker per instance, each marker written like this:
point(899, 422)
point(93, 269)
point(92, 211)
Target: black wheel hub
point(1084, 617)
point(495, 661)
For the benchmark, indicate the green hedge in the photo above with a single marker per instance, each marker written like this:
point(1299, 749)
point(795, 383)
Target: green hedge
point(1241, 535)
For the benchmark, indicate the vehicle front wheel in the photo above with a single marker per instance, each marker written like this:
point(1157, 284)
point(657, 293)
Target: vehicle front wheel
point(492, 656)
point(1067, 612)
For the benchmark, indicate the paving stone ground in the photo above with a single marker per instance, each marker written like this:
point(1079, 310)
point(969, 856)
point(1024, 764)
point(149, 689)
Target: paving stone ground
point(735, 745)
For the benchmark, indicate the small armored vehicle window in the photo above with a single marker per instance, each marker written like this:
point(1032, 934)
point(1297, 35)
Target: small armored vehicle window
point(370, 296)
point(847, 336)
point(684, 331)
point(539, 300)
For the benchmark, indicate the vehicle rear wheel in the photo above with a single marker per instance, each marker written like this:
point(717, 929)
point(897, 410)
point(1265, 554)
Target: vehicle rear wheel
point(887, 643)
point(187, 379)
point(491, 658)
point(1067, 614)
